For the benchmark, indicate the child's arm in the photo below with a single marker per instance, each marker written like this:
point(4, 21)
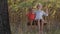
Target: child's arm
point(46, 10)
point(46, 13)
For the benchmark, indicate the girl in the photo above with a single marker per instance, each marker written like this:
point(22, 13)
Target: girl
point(39, 17)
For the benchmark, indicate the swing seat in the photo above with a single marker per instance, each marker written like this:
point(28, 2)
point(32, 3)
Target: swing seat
point(33, 23)
point(45, 23)
point(28, 24)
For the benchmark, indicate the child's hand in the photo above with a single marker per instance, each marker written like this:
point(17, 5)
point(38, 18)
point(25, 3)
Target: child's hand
point(46, 9)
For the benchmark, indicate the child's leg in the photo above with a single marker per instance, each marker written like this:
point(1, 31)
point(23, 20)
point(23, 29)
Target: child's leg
point(41, 26)
point(29, 26)
point(34, 24)
point(31, 22)
point(44, 22)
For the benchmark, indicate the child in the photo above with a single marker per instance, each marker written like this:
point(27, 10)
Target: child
point(39, 17)
point(30, 15)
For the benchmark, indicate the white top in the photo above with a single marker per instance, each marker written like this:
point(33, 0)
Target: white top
point(39, 14)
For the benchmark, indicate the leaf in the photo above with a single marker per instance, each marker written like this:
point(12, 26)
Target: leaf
point(54, 12)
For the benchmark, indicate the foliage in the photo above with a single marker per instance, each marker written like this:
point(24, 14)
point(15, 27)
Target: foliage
point(18, 10)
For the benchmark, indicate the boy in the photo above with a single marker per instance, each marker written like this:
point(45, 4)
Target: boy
point(39, 17)
point(30, 15)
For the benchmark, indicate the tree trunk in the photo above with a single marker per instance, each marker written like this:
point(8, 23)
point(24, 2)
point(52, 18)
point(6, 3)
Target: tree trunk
point(4, 18)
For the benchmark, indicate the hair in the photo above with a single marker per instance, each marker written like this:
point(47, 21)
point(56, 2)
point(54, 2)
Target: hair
point(30, 9)
point(39, 4)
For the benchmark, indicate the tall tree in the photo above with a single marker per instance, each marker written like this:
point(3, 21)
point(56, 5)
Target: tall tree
point(4, 18)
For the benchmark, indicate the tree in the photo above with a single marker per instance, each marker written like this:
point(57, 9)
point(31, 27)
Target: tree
point(4, 18)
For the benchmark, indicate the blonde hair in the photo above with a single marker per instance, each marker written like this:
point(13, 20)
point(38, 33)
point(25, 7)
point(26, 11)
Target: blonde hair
point(39, 4)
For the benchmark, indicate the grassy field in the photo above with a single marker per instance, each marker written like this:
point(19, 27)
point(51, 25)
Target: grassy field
point(20, 28)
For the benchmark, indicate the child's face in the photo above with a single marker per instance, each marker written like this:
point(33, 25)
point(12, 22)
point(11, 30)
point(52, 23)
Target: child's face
point(31, 10)
point(39, 7)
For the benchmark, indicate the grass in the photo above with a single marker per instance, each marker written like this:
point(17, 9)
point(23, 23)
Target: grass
point(22, 29)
